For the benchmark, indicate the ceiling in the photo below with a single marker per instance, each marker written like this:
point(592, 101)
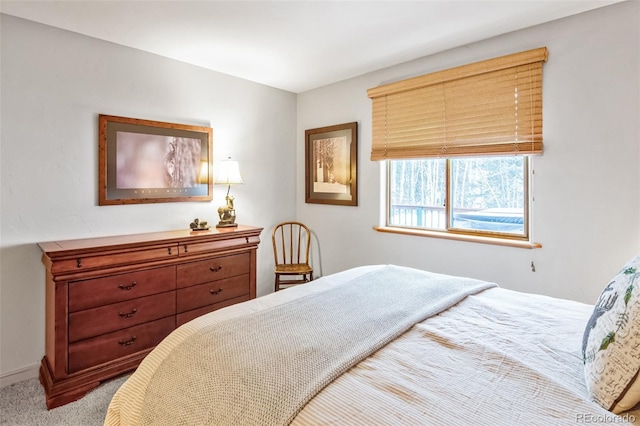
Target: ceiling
point(295, 45)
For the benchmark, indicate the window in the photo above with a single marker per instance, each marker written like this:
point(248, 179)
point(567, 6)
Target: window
point(457, 144)
point(479, 195)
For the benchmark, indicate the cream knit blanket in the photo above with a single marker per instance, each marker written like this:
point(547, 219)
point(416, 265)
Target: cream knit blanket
point(261, 369)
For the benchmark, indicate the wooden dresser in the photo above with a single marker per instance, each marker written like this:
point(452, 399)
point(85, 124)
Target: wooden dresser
point(110, 300)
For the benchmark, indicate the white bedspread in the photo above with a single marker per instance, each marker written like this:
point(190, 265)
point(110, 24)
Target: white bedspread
point(261, 369)
point(496, 358)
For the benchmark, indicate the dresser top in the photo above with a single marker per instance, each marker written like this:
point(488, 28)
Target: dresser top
point(151, 238)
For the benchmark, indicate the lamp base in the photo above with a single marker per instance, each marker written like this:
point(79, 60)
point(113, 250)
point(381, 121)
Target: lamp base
point(226, 225)
point(227, 214)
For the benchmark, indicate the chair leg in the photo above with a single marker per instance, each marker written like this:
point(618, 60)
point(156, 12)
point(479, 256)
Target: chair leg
point(277, 283)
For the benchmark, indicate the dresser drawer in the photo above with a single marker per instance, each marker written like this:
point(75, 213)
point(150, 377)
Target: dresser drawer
point(116, 316)
point(217, 268)
point(207, 294)
point(195, 313)
point(117, 288)
point(87, 262)
point(218, 245)
point(91, 352)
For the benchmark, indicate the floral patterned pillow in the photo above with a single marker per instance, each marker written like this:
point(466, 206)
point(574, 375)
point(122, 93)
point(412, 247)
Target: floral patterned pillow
point(611, 342)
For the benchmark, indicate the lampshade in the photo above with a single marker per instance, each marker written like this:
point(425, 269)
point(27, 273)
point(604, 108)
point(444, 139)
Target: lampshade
point(228, 173)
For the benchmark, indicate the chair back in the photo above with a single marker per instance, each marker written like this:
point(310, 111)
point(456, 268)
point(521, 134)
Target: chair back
point(291, 241)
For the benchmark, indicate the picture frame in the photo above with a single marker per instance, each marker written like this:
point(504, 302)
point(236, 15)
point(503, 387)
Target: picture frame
point(144, 161)
point(331, 160)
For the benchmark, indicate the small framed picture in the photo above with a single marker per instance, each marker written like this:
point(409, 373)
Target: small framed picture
point(143, 161)
point(331, 156)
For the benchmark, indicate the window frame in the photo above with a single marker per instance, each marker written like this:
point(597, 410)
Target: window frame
point(500, 238)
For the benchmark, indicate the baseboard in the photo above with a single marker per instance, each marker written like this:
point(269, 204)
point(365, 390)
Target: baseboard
point(15, 376)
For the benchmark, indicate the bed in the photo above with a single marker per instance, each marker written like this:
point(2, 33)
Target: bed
point(484, 355)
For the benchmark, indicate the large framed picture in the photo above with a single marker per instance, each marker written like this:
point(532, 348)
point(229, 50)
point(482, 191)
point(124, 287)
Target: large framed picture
point(331, 157)
point(143, 161)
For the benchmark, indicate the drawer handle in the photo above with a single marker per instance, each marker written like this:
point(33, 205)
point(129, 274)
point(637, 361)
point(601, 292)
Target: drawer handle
point(129, 315)
point(186, 248)
point(127, 342)
point(127, 287)
point(214, 292)
point(216, 269)
point(79, 263)
point(169, 250)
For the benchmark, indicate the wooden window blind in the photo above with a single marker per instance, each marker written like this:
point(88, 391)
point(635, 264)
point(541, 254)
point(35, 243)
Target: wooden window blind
point(492, 107)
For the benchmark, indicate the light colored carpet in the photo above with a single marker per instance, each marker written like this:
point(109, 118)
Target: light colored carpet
point(23, 404)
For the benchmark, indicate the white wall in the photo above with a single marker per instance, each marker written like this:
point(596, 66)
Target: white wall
point(54, 84)
point(587, 203)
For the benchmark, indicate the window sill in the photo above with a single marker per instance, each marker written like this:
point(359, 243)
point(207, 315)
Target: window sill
point(460, 237)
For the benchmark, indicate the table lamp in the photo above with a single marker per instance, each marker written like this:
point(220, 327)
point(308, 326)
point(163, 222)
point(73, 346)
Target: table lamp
point(228, 174)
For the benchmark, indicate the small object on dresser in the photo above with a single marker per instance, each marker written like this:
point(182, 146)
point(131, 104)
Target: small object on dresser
point(198, 225)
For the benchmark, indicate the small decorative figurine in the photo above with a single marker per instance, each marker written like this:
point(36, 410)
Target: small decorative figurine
point(198, 225)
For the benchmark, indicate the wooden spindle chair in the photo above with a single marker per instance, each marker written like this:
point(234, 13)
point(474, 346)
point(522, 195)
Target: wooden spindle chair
point(291, 243)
